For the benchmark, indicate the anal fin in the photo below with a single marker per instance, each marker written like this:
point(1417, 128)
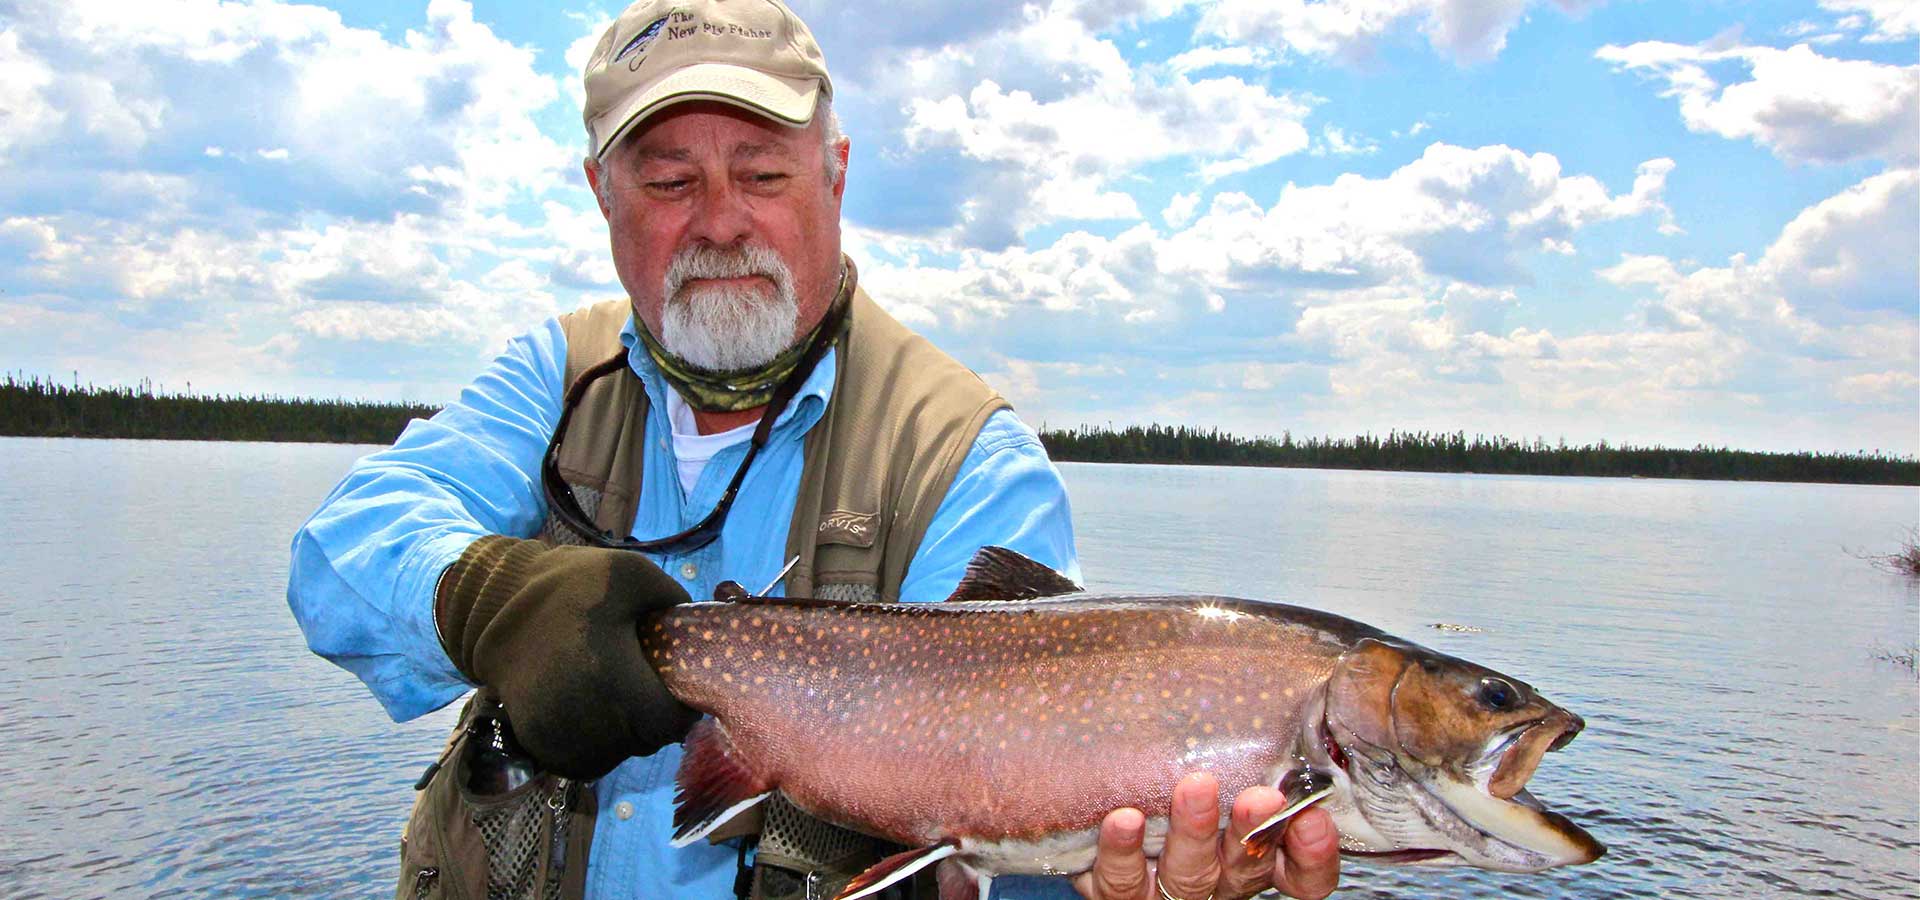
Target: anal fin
point(894, 868)
point(713, 785)
point(1299, 788)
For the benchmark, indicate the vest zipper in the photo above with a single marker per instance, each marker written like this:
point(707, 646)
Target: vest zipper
point(423, 881)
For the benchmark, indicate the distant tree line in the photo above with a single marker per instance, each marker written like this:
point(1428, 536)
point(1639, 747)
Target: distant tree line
point(37, 407)
point(1424, 451)
point(40, 407)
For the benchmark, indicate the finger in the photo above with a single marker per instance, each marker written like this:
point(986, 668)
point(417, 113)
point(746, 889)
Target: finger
point(1242, 874)
point(1309, 867)
point(1119, 866)
point(1190, 861)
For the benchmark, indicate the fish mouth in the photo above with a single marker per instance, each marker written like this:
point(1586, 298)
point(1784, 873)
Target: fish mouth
point(1516, 753)
point(1494, 801)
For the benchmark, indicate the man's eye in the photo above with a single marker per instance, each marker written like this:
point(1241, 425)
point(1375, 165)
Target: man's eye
point(670, 186)
point(769, 177)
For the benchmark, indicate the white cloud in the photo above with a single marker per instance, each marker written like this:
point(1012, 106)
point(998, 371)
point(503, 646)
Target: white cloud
point(1468, 30)
point(387, 201)
point(1843, 262)
point(1052, 150)
point(1893, 20)
point(357, 109)
point(1467, 214)
point(1453, 229)
point(1199, 58)
point(1856, 249)
point(1180, 209)
point(26, 116)
point(1877, 388)
point(1375, 295)
point(1804, 106)
point(1336, 142)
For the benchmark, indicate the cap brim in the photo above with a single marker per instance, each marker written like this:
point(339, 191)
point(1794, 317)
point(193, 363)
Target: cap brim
point(789, 100)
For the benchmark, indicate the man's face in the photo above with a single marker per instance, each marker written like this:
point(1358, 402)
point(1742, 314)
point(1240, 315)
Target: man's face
point(711, 208)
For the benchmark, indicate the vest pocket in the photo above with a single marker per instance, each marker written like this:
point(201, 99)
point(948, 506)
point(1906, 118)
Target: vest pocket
point(524, 832)
point(517, 844)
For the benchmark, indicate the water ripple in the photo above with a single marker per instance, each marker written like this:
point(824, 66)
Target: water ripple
point(171, 737)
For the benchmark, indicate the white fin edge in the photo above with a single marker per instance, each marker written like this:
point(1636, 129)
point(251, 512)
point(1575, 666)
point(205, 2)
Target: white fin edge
point(723, 818)
point(923, 861)
point(1288, 813)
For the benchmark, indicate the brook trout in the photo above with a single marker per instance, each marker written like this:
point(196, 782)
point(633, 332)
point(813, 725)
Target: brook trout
point(994, 731)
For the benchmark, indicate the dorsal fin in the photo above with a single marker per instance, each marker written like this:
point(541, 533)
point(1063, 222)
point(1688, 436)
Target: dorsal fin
point(997, 573)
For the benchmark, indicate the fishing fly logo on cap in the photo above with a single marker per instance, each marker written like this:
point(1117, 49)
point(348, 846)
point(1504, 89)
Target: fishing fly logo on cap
point(638, 46)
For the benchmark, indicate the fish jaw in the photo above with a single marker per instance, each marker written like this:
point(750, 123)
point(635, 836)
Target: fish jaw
point(1518, 836)
point(1491, 797)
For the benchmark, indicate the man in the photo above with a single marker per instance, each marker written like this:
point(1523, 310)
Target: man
point(746, 401)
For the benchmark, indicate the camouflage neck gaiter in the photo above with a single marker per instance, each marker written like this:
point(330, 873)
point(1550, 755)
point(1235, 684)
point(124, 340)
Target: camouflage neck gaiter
point(743, 389)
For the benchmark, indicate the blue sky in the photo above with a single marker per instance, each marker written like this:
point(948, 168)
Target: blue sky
point(1678, 223)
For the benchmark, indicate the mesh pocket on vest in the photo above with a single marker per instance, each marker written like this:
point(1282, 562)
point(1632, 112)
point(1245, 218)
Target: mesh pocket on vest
point(513, 834)
point(846, 592)
point(792, 841)
point(557, 534)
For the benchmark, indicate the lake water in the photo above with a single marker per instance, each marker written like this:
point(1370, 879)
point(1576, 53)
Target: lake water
point(165, 733)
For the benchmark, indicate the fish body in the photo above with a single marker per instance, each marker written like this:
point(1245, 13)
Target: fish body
point(1001, 732)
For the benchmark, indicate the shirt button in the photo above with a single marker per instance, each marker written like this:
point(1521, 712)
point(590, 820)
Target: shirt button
point(624, 810)
point(689, 570)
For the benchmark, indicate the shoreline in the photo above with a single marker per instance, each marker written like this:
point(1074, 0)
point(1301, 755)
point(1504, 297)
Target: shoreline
point(44, 409)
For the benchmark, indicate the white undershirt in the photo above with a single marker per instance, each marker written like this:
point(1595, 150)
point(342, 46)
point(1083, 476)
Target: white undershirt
point(691, 449)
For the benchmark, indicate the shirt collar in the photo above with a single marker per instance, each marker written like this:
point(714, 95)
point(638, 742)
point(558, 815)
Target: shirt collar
point(807, 407)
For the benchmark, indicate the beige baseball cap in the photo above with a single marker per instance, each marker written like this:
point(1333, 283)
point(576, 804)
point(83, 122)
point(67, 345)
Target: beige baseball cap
point(754, 54)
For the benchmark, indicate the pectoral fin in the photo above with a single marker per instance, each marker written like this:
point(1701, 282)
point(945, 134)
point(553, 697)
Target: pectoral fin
point(714, 785)
point(1299, 788)
point(893, 868)
point(959, 881)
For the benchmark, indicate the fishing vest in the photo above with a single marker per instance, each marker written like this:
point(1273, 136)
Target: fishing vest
point(900, 421)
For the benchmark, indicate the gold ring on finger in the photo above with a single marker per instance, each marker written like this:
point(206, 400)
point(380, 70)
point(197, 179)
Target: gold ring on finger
point(1162, 886)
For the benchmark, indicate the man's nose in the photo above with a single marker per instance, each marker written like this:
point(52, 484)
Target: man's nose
point(721, 216)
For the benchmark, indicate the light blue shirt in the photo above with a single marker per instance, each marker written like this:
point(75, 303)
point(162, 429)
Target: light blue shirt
point(365, 565)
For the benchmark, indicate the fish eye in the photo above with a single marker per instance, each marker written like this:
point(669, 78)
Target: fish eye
point(1496, 694)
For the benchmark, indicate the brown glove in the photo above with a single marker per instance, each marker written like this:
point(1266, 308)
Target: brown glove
point(555, 631)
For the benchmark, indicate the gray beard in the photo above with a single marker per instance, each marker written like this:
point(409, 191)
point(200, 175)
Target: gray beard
point(725, 328)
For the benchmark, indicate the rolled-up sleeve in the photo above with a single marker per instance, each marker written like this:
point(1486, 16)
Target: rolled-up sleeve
point(364, 567)
point(1006, 493)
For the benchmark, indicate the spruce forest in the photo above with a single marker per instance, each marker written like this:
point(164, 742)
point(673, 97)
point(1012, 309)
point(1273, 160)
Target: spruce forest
point(38, 407)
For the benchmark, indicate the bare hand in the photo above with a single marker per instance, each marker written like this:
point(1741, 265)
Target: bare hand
point(1200, 860)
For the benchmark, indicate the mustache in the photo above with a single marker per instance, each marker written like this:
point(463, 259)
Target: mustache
point(707, 261)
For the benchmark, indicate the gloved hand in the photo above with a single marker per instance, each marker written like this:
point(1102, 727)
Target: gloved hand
point(554, 630)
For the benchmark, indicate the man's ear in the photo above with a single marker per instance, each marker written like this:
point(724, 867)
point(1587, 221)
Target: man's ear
point(594, 172)
point(844, 149)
